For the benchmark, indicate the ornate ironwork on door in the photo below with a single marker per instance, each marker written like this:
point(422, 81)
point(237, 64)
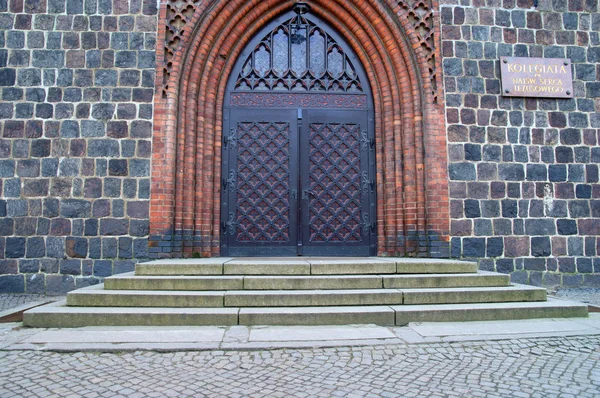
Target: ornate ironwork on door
point(298, 160)
point(262, 211)
point(334, 183)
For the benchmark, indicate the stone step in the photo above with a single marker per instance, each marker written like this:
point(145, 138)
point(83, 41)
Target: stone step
point(481, 279)
point(295, 282)
point(129, 281)
point(312, 298)
point(402, 315)
point(58, 315)
point(304, 266)
point(489, 311)
point(188, 266)
point(96, 296)
point(457, 295)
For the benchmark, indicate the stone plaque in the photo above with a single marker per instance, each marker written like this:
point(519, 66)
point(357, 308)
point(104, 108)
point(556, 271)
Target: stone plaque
point(536, 77)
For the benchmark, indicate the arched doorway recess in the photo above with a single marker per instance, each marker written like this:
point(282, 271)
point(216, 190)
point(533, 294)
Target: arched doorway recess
point(396, 43)
point(298, 146)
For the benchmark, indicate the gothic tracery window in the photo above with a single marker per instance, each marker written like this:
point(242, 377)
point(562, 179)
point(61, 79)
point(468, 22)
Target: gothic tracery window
point(298, 56)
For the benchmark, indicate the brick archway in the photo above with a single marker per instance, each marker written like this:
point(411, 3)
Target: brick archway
point(397, 45)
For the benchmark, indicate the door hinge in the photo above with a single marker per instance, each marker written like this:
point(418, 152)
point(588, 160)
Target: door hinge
point(230, 139)
point(366, 142)
point(229, 224)
point(368, 226)
point(367, 184)
point(229, 181)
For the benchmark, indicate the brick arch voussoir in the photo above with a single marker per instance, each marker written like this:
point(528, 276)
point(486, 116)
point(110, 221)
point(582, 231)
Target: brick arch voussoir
point(203, 64)
point(223, 58)
point(210, 110)
point(196, 107)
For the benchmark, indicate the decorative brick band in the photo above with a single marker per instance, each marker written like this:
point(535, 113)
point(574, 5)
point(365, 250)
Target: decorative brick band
point(401, 62)
point(293, 100)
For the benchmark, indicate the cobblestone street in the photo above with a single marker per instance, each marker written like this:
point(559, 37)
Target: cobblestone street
point(565, 367)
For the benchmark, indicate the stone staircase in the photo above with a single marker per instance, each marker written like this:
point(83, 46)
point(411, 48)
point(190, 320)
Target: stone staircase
point(300, 291)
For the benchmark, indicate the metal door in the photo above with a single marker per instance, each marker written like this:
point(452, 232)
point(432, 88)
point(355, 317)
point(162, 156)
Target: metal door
point(337, 184)
point(297, 183)
point(260, 184)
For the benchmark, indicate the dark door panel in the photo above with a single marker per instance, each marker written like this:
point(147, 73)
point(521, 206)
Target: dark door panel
point(336, 216)
point(260, 180)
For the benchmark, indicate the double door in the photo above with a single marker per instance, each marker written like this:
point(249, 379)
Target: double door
point(298, 182)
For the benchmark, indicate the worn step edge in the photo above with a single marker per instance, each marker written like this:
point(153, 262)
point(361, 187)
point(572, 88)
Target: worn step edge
point(377, 315)
point(97, 297)
point(489, 311)
point(310, 298)
point(58, 315)
point(303, 266)
point(243, 282)
point(457, 295)
point(130, 281)
point(336, 266)
point(175, 282)
point(191, 266)
point(434, 266)
point(481, 279)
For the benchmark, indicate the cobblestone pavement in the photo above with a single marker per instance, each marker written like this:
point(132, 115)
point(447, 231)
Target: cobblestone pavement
point(12, 300)
point(551, 367)
point(584, 295)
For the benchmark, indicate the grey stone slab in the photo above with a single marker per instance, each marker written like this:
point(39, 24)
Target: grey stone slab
point(116, 347)
point(593, 320)
point(323, 333)
point(21, 307)
point(266, 266)
point(474, 295)
point(312, 282)
point(175, 282)
point(191, 266)
point(341, 266)
point(433, 266)
point(377, 315)
point(406, 314)
point(236, 334)
point(508, 327)
point(445, 280)
point(58, 315)
point(144, 298)
point(127, 335)
point(301, 298)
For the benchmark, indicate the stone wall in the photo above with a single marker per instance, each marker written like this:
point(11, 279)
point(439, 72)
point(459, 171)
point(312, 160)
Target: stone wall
point(76, 85)
point(524, 189)
point(76, 112)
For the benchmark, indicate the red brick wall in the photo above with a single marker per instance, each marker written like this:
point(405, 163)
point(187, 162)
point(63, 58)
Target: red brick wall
point(402, 64)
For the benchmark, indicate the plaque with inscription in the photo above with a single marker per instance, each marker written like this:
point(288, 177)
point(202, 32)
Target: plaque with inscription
point(536, 77)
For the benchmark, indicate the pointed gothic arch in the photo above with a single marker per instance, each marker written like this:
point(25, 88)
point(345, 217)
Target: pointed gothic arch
point(396, 44)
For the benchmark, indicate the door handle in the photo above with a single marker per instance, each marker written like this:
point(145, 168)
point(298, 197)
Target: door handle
point(306, 192)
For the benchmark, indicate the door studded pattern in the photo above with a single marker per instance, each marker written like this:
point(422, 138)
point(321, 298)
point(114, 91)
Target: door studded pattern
point(262, 213)
point(334, 181)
